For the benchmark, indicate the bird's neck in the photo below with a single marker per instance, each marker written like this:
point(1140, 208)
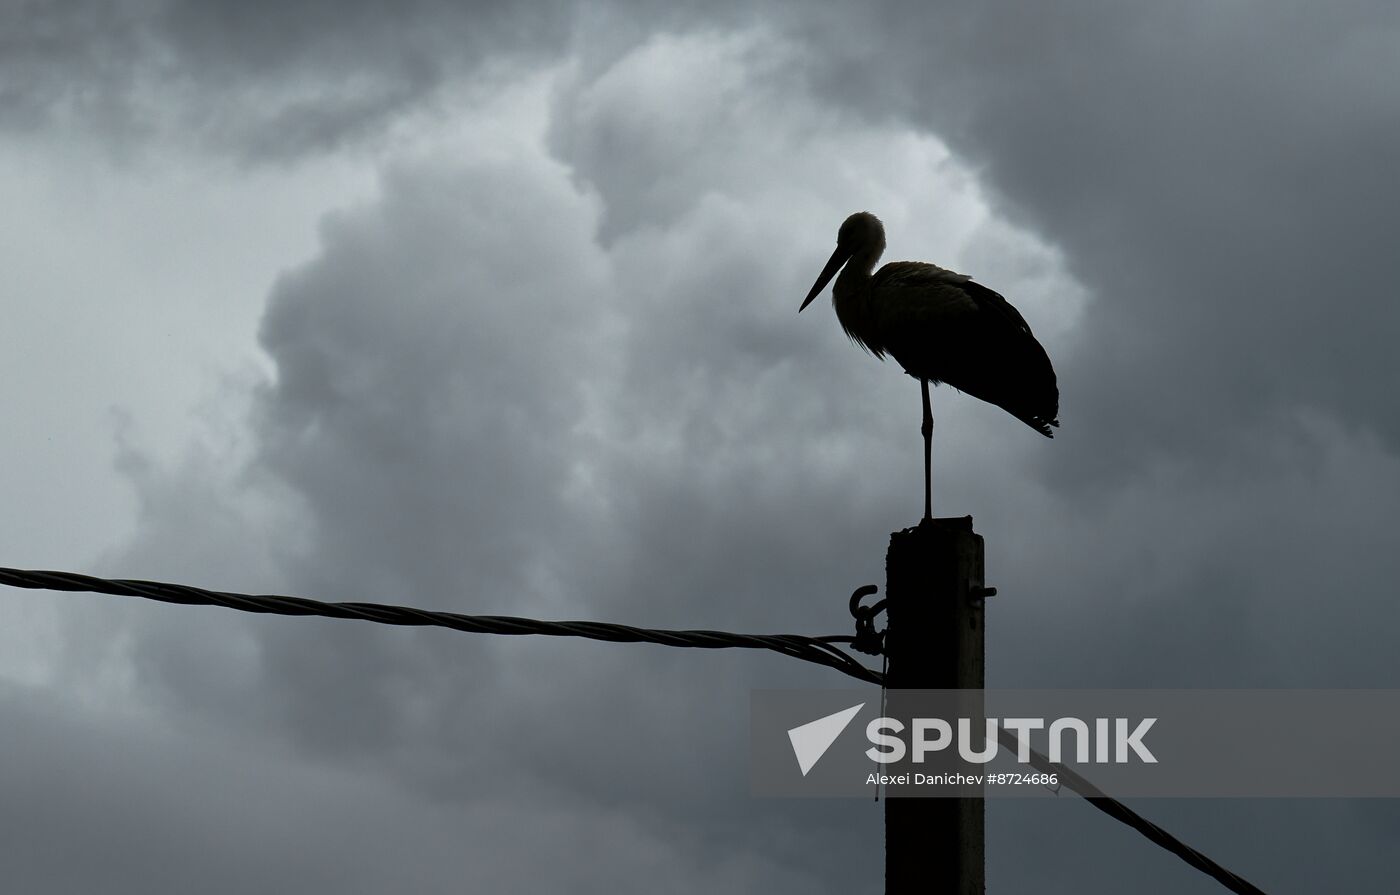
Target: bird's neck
point(854, 278)
point(851, 298)
point(862, 263)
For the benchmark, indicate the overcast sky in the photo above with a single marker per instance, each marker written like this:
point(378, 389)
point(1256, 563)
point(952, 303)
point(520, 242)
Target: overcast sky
point(494, 310)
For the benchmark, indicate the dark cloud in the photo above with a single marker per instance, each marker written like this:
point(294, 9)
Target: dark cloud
point(477, 407)
point(285, 82)
point(568, 380)
point(428, 379)
point(67, 59)
point(155, 814)
point(1215, 176)
point(273, 83)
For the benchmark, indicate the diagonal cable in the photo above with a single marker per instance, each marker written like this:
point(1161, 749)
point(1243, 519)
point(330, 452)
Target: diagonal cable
point(1123, 814)
point(819, 650)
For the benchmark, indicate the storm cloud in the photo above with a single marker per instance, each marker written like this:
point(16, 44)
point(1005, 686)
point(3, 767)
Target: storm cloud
point(536, 353)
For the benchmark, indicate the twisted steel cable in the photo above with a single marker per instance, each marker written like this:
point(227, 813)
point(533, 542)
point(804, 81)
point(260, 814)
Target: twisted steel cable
point(1123, 814)
point(821, 651)
point(818, 650)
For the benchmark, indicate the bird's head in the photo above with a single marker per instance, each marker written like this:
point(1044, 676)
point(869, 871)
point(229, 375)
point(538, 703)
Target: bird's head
point(860, 232)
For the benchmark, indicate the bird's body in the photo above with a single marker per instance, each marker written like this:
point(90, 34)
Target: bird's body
point(940, 326)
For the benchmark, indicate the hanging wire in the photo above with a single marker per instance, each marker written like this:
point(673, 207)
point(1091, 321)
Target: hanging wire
point(818, 650)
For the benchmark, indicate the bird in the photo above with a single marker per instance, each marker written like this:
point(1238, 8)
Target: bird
point(940, 326)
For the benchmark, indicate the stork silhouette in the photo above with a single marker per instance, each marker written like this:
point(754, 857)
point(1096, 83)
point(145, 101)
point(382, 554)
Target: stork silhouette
point(941, 327)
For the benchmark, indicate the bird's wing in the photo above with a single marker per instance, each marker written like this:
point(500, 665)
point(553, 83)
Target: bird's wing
point(992, 302)
point(946, 291)
point(911, 296)
point(940, 325)
point(914, 289)
point(940, 291)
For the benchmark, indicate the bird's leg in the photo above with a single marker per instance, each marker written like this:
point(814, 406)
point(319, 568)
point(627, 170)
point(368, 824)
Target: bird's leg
point(928, 454)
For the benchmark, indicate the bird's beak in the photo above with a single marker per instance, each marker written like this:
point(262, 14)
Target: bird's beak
point(838, 258)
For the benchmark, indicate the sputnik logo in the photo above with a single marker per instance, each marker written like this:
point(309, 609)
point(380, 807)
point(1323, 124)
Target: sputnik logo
point(811, 740)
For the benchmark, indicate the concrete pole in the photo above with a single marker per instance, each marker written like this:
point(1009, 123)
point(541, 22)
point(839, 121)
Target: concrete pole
point(935, 641)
